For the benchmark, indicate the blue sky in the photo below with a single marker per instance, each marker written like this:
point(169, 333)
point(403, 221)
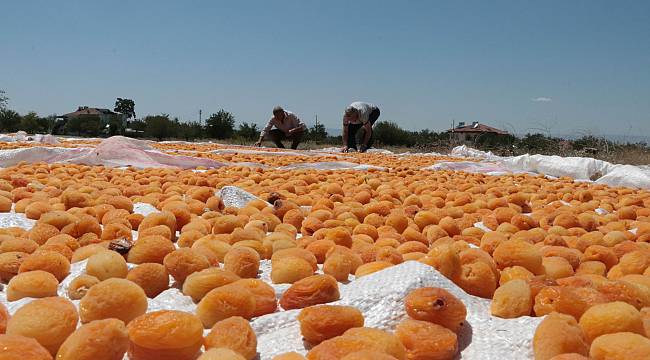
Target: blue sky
point(569, 66)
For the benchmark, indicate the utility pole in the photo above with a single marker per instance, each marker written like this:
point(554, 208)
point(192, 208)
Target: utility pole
point(316, 119)
point(200, 112)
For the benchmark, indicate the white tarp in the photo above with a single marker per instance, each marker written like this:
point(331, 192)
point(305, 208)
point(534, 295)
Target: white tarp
point(379, 296)
point(115, 151)
point(579, 168)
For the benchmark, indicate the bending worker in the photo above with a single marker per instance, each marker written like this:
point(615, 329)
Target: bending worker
point(287, 127)
point(357, 126)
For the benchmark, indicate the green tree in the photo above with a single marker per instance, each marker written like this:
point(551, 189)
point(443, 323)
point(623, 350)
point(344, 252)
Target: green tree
point(125, 107)
point(9, 120)
point(221, 125)
point(3, 100)
point(248, 131)
point(115, 125)
point(389, 133)
point(90, 124)
point(158, 126)
point(29, 123)
point(317, 133)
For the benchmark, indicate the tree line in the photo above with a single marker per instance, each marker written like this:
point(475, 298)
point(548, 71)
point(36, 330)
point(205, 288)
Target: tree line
point(222, 125)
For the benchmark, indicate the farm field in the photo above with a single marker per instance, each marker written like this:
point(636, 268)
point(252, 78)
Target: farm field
point(120, 248)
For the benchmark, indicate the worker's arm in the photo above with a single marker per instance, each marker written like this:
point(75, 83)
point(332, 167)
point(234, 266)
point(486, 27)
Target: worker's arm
point(264, 131)
point(366, 136)
point(299, 125)
point(345, 137)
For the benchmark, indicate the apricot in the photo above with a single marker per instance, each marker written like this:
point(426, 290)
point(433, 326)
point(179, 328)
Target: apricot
point(368, 355)
point(165, 335)
point(518, 253)
point(50, 261)
point(113, 298)
point(558, 334)
point(611, 318)
point(98, 340)
point(13, 244)
point(150, 249)
point(225, 301)
point(242, 261)
point(35, 284)
point(198, 284)
point(425, 340)
point(106, 265)
point(322, 322)
point(575, 301)
point(478, 279)
point(153, 278)
point(41, 232)
point(371, 267)
point(312, 290)
point(22, 347)
point(620, 346)
point(338, 347)
point(10, 263)
point(512, 300)
point(49, 320)
point(264, 294)
point(220, 354)
point(79, 286)
point(436, 305)
point(234, 333)
point(381, 340)
point(556, 267)
point(290, 269)
point(183, 262)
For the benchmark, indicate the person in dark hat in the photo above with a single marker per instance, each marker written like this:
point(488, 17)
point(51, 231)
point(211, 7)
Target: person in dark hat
point(287, 127)
point(358, 120)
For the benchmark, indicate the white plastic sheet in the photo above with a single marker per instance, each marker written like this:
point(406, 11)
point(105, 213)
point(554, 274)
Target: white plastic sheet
point(115, 151)
point(579, 168)
point(379, 296)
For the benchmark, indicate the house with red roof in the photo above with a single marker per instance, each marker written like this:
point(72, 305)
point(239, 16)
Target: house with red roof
point(468, 134)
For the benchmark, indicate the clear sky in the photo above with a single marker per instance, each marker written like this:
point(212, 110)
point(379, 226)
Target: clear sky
point(570, 66)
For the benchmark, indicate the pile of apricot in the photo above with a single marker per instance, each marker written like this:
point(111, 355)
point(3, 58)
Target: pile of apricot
point(575, 251)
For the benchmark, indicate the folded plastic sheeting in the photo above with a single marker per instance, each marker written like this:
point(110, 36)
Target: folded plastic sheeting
point(579, 168)
point(115, 151)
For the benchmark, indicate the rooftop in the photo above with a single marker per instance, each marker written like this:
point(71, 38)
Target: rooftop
point(476, 127)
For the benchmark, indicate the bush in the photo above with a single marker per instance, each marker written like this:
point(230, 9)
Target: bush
point(9, 120)
point(317, 133)
point(389, 133)
point(221, 125)
point(248, 131)
point(158, 126)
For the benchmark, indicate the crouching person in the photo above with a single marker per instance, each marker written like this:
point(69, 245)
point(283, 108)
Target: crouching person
point(287, 127)
point(358, 120)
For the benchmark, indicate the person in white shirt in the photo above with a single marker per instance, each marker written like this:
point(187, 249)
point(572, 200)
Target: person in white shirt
point(287, 127)
point(358, 120)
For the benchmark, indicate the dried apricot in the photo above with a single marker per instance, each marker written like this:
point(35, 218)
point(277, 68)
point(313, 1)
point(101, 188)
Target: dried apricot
point(620, 346)
point(424, 340)
point(234, 333)
point(512, 300)
point(49, 320)
point(611, 318)
point(322, 322)
point(436, 305)
point(312, 290)
point(98, 340)
point(165, 335)
point(225, 301)
point(113, 298)
point(558, 334)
